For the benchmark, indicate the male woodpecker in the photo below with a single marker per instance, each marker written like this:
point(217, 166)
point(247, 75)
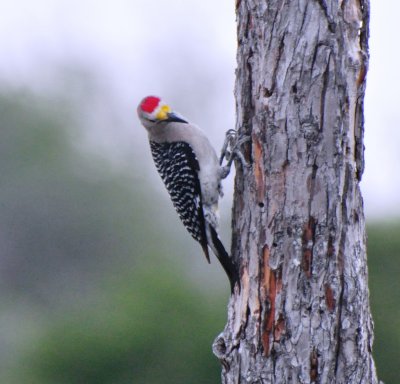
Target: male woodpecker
point(189, 168)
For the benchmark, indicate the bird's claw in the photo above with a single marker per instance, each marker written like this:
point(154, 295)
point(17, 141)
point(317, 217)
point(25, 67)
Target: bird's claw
point(231, 150)
point(229, 142)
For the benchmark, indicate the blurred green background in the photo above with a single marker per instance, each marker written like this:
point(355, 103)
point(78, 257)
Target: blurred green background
point(98, 284)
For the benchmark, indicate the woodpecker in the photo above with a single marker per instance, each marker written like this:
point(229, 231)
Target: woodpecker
point(191, 172)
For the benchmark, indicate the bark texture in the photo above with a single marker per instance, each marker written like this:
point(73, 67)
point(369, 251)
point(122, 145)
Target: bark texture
point(302, 314)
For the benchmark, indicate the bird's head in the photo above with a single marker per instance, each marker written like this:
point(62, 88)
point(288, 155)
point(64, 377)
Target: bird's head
point(152, 110)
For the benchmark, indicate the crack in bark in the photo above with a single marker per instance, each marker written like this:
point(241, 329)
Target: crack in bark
point(308, 238)
point(329, 298)
point(277, 60)
point(308, 241)
point(314, 366)
point(325, 83)
point(272, 29)
point(258, 170)
point(315, 53)
point(331, 23)
point(358, 139)
point(279, 328)
point(339, 316)
point(304, 17)
point(248, 25)
point(262, 288)
point(250, 77)
point(270, 314)
point(341, 255)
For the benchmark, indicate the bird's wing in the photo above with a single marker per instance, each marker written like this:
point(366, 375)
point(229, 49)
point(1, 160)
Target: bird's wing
point(178, 167)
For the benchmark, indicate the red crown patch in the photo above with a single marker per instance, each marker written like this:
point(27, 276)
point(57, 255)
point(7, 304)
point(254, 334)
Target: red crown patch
point(149, 104)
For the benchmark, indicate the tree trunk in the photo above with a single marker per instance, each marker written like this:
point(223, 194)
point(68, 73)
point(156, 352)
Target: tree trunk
point(302, 314)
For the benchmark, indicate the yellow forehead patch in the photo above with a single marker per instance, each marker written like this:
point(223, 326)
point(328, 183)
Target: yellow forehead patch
point(162, 114)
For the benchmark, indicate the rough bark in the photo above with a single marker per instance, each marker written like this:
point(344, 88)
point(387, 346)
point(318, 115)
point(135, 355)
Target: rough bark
point(302, 314)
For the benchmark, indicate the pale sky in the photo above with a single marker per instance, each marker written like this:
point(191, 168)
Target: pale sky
point(137, 47)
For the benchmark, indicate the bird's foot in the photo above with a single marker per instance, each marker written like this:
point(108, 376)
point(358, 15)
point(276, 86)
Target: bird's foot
point(231, 150)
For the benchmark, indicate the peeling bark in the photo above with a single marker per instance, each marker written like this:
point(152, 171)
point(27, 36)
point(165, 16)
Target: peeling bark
point(302, 314)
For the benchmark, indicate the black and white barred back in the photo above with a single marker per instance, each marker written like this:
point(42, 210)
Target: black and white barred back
point(178, 167)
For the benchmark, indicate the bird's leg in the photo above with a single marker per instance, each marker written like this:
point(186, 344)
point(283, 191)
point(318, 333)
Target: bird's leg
point(230, 137)
point(231, 150)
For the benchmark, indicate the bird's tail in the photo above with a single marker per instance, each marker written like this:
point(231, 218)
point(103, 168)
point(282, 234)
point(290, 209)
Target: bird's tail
point(226, 261)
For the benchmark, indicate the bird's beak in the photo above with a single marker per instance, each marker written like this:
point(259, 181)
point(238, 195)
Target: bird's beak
point(173, 117)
